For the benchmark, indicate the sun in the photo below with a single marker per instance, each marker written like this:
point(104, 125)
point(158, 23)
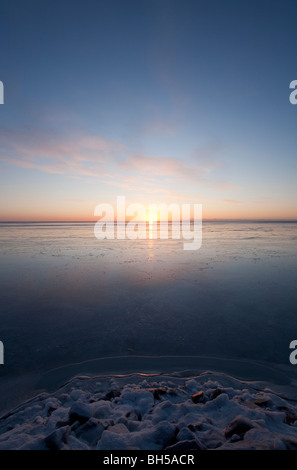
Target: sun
point(152, 219)
point(151, 216)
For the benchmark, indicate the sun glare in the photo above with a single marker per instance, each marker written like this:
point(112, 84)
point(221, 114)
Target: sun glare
point(152, 219)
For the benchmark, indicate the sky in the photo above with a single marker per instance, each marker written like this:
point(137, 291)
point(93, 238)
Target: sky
point(160, 101)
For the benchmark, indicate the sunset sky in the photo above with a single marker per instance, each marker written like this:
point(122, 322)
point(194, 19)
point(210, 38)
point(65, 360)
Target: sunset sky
point(159, 101)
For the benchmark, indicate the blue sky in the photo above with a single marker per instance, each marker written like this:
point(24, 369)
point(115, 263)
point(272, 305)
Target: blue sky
point(160, 101)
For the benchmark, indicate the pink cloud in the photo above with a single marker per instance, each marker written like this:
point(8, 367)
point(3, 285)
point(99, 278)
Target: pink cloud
point(160, 166)
point(91, 155)
point(79, 155)
point(35, 143)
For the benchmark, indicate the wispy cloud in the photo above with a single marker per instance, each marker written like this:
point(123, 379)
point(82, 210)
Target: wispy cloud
point(161, 166)
point(36, 143)
point(86, 155)
point(79, 155)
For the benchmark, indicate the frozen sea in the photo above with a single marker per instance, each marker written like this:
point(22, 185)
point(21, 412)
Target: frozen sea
point(72, 304)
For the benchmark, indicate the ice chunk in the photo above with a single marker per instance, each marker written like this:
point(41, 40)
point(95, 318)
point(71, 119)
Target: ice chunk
point(239, 425)
point(80, 412)
point(57, 438)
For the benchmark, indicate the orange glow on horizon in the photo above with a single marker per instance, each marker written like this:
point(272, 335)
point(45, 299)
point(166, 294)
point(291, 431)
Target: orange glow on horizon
point(77, 212)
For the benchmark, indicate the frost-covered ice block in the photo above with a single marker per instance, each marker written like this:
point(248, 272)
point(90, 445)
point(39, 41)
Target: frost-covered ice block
point(232, 415)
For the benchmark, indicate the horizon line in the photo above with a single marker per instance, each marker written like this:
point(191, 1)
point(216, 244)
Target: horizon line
point(144, 221)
